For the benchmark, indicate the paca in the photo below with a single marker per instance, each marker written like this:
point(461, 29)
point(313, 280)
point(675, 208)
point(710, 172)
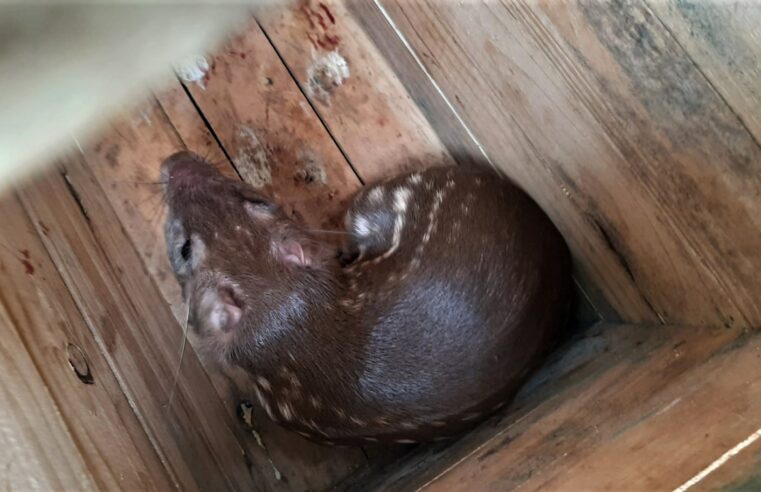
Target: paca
point(450, 288)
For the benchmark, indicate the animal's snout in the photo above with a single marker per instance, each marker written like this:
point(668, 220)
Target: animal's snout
point(185, 168)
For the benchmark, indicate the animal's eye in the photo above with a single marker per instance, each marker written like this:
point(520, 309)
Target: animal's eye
point(185, 250)
point(258, 202)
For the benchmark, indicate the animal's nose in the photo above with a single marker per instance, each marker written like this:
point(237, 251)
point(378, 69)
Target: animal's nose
point(185, 167)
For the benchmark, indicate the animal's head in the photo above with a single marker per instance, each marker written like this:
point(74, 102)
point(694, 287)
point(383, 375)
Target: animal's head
point(231, 248)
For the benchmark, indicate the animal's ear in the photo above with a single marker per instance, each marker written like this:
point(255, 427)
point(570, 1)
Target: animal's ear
point(224, 310)
point(292, 251)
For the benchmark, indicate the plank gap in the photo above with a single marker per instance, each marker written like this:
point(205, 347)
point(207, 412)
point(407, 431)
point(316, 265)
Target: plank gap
point(310, 103)
point(206, 124)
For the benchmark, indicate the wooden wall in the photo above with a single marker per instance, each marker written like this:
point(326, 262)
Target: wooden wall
point(634, 124)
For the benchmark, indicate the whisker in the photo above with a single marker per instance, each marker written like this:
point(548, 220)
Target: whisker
point(182, 354)
point(157, 212)
point(326, 231)
point(148, 200)
point(142, 182)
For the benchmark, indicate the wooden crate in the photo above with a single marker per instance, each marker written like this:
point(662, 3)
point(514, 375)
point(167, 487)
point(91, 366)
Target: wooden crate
point(634, 124)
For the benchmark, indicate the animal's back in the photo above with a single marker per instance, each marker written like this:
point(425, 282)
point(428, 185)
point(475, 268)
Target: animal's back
point(473, 290)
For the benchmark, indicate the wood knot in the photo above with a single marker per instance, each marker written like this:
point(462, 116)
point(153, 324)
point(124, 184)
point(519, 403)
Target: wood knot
point(78, 362)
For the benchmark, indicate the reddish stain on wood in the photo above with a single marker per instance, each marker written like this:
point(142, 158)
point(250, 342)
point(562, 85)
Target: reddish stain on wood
point(28, 267)
point(327, 12)
point(320, 35)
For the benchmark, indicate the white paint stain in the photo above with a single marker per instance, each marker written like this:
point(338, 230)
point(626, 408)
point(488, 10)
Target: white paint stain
point(325, 74)
point(719, 462)
point(251, 158)
point(193, 70)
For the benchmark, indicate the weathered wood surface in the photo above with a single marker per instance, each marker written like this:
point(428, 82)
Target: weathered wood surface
point(739, 470)
point(276, 141)
point(37, 448)
point(724, 41)
point(358, 97)
point(601, 114)
point(416, 81)
point(84, 400)
point(628, 408)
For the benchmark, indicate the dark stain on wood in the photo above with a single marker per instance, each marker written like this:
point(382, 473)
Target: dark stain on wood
point(75, 195)
point(678, 97)
point(112, 155)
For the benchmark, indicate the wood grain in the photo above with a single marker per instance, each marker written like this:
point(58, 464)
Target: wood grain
point(648, 411)
point(724, 41)
point(370, 114)
point(598, 112)
point(270, 131)
point(644, 425)
point(84, 392)
point(416, 81)
point(195, 437)
point(741, 474)
point(37, 449)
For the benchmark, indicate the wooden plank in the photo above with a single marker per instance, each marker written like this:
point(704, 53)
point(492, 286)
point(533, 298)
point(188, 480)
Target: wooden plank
point(125, 161)
point(37, 449)
point(636, 408)
point(602, 117)
point(416, 81)
point(736, 470)
point(366, 109)
point(179, 112)
point(195, 437)
point(723, 40)
point(276, 141)
point(650, 424)
point(83, 391)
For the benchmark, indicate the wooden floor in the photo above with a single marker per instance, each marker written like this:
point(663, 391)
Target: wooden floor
point(635, 125)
